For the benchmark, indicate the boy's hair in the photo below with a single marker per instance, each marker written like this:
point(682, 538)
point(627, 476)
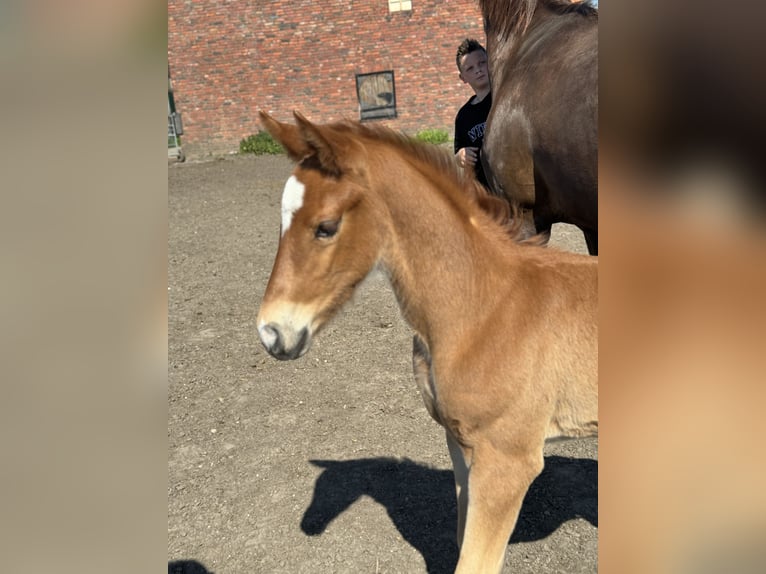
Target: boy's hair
point(466, 47)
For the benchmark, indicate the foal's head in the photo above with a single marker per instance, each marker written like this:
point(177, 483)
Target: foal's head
point(330, 236)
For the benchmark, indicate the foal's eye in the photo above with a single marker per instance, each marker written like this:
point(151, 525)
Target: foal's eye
point(326, 229)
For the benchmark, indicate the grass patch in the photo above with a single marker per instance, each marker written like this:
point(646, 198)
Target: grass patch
point(436, 137)
point(260, 144)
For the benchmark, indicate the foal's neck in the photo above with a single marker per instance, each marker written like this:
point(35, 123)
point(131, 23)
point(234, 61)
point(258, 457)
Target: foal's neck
point(437, 257)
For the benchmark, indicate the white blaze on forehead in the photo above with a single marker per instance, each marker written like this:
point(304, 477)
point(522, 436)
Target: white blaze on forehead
point(292, 200)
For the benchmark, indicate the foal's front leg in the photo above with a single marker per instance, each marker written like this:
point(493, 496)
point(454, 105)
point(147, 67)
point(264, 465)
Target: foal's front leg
point(421, 367)
point(497, 484)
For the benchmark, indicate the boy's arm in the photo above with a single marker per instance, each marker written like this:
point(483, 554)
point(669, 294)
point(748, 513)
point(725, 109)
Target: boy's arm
point(458, 135)
point(465, 154)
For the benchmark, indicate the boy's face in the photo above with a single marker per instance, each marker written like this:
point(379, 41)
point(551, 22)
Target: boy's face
point(473, 70)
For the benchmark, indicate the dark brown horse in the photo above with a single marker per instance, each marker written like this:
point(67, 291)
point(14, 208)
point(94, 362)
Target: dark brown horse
point(541, 143)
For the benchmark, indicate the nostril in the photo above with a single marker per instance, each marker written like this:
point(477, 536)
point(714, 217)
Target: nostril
point(281, 342)
point(269, 335)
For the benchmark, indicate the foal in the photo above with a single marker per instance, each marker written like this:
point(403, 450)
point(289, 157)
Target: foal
point(505, 348)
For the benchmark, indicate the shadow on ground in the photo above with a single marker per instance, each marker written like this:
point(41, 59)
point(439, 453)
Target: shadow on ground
point(187, 567)
point(421, 501)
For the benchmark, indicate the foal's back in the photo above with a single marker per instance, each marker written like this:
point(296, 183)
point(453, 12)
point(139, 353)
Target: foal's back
point(549, 318)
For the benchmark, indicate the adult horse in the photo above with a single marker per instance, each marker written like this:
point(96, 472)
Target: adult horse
point(541, 142)
point(505, 352)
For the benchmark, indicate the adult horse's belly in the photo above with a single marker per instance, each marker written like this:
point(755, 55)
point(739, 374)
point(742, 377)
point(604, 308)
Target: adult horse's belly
point(507, 156)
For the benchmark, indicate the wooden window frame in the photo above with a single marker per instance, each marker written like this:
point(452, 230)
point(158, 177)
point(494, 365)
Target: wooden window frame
point(370, 107)
point(399, 6)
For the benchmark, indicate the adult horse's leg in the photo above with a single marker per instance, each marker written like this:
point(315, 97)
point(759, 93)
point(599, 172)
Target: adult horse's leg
point(591, 240)
point(543, 227)
point(497, 484)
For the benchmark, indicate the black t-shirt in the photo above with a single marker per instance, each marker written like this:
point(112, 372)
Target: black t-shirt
point(470, 122)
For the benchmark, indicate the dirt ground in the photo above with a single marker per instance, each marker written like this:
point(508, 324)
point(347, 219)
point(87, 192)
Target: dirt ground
point(329, 463)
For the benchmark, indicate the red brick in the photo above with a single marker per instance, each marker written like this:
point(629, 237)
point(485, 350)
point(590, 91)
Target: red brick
point(229, 59)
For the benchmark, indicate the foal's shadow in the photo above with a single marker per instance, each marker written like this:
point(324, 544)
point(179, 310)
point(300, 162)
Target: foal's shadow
point(421, 501)
point(187, 567)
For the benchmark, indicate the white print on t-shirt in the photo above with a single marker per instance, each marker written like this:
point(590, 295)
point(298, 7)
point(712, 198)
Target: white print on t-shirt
point(477, 131)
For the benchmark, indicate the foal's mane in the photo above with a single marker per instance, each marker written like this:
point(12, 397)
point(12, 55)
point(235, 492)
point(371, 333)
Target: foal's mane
point(507, 16)
point(462, 188)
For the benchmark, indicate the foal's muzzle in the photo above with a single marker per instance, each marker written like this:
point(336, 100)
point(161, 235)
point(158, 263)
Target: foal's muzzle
point(284, 343)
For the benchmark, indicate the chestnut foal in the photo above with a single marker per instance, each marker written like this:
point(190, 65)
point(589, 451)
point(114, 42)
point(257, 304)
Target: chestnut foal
point(505, 351)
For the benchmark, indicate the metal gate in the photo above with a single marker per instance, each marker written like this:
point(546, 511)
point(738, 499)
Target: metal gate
point(175, 127)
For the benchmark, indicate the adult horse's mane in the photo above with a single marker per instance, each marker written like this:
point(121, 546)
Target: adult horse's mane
point(508, 15)
point(464, 187)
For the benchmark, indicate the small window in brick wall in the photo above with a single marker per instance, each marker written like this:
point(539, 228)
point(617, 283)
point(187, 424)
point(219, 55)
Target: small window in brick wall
point(377, 96)
point(399, 5)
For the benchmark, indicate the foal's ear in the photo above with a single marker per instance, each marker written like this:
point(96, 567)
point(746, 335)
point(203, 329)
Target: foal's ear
point(321, 146)
point(288, 135)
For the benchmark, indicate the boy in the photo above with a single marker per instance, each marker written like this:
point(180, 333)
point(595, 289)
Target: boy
point(472, 117)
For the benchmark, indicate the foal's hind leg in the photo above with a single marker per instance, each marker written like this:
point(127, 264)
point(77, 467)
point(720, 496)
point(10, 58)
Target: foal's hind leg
point(460, 470)
point(497, 484)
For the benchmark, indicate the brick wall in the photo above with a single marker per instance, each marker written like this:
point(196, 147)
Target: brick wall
point(230, 58)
